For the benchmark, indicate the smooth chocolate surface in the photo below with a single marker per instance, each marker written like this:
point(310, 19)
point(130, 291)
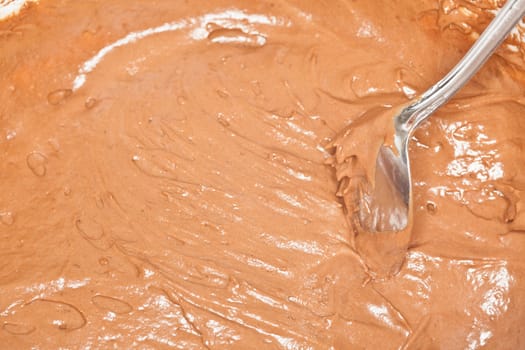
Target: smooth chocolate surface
point(175, 174)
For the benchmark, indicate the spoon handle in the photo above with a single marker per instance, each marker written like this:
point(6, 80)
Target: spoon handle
point(483, 48)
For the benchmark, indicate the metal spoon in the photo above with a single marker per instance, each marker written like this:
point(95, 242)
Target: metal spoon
point(388, 207)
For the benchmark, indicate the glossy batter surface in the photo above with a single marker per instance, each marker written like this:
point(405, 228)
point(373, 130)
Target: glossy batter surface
point(168, 178)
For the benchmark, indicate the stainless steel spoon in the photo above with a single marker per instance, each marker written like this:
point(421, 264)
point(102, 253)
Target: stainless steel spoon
point(388, 207)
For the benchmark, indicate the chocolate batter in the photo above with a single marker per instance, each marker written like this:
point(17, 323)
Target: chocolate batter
point(168, 177)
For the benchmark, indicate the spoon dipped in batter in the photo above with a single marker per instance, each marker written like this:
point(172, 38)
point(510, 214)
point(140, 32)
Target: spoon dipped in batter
point(385, 206)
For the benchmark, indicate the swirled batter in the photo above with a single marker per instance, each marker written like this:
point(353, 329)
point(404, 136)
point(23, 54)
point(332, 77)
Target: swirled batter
point(168, 181)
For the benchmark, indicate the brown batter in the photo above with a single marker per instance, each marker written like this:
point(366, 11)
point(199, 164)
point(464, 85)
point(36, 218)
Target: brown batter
point(166, 180)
